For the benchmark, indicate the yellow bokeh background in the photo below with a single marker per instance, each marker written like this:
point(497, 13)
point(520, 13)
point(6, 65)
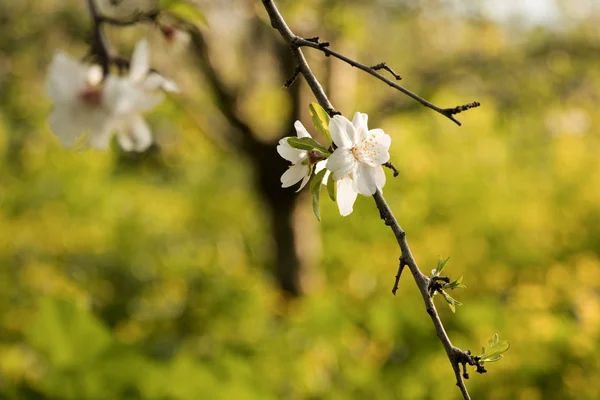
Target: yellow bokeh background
point(146, 277)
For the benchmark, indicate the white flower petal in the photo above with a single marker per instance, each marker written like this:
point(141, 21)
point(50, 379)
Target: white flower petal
point(70, 121)
point(140, 61)
point(383, 142)
point(346, 196)
point(123, 97)
point(360, 121)
point(341, 163)
point(170, 86)
point(155, 81)
point(304, 181)
point(379, 176)
point(318, 167)
point(374, 149)
point(119, 95)
point(364, 179)
point(382, 138)
point(301, 130)
point(147, 102)
point(342, 131)
point(63, 126)
point(80, 107)
point(66, 79)
point(294, 175)
point(125, 141)
point(136, 136)
point(289, 153)
point(100, 140)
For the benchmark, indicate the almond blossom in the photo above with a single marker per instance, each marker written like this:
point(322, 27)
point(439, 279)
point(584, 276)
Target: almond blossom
point(128, 97)
point(356, 164)
point(302, 160)
point(346, 195)
point(85, 103)
point(77, 93)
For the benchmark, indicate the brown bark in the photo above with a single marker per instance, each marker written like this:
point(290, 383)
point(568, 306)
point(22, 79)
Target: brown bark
point(268, 166)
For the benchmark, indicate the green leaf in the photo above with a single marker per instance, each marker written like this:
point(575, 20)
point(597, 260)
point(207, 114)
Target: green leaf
point(184, 10)
point(308, 144)
point(452, 303)
point(495, 349)
point(457, 284)
point(315, 189)
point(440, 266)
point(320, 120)
point(332, 188)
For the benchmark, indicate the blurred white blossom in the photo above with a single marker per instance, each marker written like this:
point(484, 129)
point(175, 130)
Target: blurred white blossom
point(78, 97)
point(85, 103)
point(130, 96)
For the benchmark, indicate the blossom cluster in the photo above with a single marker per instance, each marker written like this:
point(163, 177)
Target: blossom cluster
point(352, 165)
point(88, 102)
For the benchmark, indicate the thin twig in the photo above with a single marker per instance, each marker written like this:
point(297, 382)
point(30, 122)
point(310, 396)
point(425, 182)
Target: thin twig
point(292, 78)
point(392, 167)
point(447, 112)
point(99, 46)
point(422, 281)
point(398, 275)
point(455, 355)
point(388, 69)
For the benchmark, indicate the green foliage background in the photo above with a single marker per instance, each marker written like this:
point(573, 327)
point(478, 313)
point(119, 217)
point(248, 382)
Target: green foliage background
point(144, 277)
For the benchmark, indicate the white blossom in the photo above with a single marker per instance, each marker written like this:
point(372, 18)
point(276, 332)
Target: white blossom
point(84, 103)
point(302, 167)
point(346, 195)
point(356, 164)
point(130, 96)
point(78, 98)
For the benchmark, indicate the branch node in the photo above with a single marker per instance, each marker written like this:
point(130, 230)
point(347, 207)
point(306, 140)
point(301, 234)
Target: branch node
point(391, 166)
point(436, 284)
point(459, 109)
point(292, 78)
point(384, 66)
point(397, 281)
point(294, 43)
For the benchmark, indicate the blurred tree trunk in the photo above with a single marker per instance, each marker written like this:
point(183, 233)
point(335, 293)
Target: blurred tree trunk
point(287, 264)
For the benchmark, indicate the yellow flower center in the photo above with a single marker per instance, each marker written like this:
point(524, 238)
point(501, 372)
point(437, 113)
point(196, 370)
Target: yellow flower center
point(365, 149)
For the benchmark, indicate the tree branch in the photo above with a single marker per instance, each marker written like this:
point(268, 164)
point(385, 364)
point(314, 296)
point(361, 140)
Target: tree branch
point(135, 18)
point(100, 47)
point(324, 47)
point(398, 275)
point(226, 100)
point(455, 355)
